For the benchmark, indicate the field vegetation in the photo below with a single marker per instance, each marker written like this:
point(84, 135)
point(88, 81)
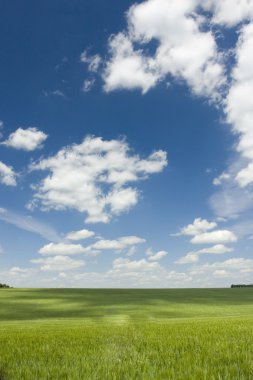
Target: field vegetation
point(126, 334)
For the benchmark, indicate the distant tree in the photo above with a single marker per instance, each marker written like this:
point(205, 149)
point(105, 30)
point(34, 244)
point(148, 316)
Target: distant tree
point(4, 286)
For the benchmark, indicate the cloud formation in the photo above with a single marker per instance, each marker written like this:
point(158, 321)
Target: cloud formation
point(26, 139)
point(214, 237)
point(93, 178)
point(62, 249)
point(58, 263)
point(185, 49)
point(155, 256)
point(30, 224)
point(7, 175)
point(80, 235)
point(192, 257)
point(197, 227)
point(117, 244)
point(177, 40)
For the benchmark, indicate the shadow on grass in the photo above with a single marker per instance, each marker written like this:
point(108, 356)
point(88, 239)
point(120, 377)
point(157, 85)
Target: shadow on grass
point(23, 304)
point(3, 375)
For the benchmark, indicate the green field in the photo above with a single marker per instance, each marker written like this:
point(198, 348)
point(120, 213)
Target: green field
point(126, 334)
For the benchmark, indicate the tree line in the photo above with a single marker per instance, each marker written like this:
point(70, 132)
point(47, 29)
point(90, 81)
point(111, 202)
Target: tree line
point(242, 286)
point(4, 286)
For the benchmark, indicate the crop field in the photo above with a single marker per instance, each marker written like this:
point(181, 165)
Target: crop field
point(126, 334)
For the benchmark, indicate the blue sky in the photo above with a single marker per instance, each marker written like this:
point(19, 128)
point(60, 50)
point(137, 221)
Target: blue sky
point(126, 156)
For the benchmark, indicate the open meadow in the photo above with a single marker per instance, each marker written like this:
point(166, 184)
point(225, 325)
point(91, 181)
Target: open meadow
point(126, 334)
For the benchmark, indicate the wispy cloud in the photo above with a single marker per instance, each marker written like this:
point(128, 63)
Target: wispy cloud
point(28, 223)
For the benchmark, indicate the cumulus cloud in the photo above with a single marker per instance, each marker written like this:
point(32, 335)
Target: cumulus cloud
point(108, 245)
point(229, 12)
point(198, 226)
point(117, 244)
point(240, 104)
point(26, 139)
point(58, 263)
point(203, 232)
point(189, 258)
point(80, 235)
point(155, 256)
point(128, 265)
point(20, 272)
point(185, 49)
point(216, 249)
point(235, 195)
point(128, 69)
point(93, 178)
point(200, 230)
point(237, 265)
point(215, 237)
point(62, 249)
point(7, 175)
point(192, 257)
point(221, 273)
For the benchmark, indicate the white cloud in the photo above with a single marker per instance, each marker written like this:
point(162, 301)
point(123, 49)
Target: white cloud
point(118, 244)
point(88, 84)
point(231, 200)
point(189, 258)
point(131, 240)
point(240, 104)
point(26, 139)
point(7, 175)
point(80, 235)
point(155, 256)
point(20, 272)
point(197, 227)
point(128, 69)
point(235, 266)
point(93, 61)
point(92, 178)
point(108, 244)
point(192, 257)
point(214, 237)
point(221, 273)
point(202, 232)
point(176, 38)
point(216, 249)
point(184, 49)
point(58, 263)
point(222, 177)
point(128, 265)
point(58, 93)
point(62, 249)
point(28, 223)
point(236, 195)
point(229, 12)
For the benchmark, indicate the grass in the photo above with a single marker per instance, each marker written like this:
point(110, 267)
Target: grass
point(126, 334)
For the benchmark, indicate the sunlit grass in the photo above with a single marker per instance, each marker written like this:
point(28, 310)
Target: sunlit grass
point(126, 334)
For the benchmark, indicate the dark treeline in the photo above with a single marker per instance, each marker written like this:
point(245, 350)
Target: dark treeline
point(4, 286)
point(242, 286)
